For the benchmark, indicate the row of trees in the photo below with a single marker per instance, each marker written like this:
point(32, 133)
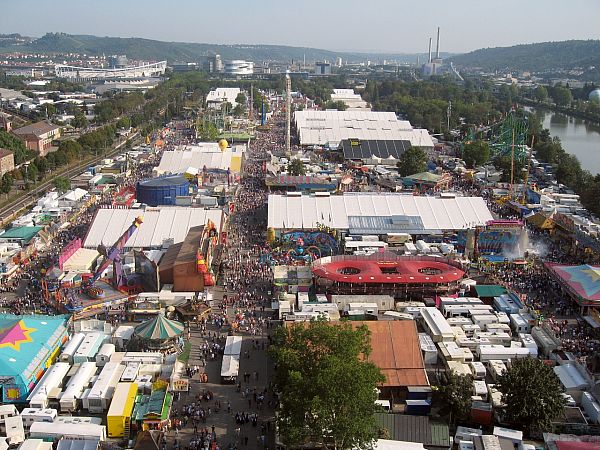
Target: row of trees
point(68, 152)
point(425, 103)
point(117, 105)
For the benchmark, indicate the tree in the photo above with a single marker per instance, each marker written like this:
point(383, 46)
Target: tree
point(62, 184)
point(338, 104)
point(540, 94)
point(562, 96)
point(456, 393)
point(413, 160)
point(42, 165)
point(504, 164)
point(548, 151)
point(327, 385)
point(124, 123)
point(48, 109)
point(15, 145)
point(6, 183)
point(239, 110)
point(476, 153)
point(207, 131)
point(568, 170)
point(532, 394)
point(32, 172)
point(241, 99)
point(296, 167)
point(226, 107)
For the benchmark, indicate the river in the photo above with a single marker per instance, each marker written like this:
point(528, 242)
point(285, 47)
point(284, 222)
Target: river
point(578, 137)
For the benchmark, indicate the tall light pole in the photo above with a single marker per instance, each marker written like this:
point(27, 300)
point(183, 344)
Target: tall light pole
point(288, 114)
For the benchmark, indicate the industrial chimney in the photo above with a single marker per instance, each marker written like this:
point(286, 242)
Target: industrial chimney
point(429, 50)
point(437, 49)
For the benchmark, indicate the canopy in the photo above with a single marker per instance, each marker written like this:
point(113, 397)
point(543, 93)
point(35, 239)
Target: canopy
point(159, 328)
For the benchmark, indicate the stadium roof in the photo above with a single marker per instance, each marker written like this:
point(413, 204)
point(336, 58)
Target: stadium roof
point(357, 149)
point(160, 223)
point(380, 212)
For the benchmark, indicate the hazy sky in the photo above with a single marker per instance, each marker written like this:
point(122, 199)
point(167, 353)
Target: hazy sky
point(343, 25)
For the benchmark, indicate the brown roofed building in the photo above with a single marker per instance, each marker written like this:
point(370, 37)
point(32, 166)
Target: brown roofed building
point(397, 352)
point(38, 136)
point(178, 266)
point(7, 161)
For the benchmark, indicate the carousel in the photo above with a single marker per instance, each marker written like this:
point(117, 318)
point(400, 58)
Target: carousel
point(160, 333)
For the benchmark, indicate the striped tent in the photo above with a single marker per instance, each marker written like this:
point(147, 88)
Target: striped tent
point(159, 328)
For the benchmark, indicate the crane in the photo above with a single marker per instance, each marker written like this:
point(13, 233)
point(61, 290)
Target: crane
point(112, 255)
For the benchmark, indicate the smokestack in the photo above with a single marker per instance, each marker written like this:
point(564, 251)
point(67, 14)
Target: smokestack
point(437, 49)
point(429, 50)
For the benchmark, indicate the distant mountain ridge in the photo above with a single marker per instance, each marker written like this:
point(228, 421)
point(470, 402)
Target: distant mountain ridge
point(148, 49)
point(543, 56)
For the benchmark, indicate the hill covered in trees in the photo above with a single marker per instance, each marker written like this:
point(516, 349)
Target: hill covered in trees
point(543, 56)
point(148, 49)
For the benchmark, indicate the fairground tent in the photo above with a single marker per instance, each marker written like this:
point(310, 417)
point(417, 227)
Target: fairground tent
point(159, 328)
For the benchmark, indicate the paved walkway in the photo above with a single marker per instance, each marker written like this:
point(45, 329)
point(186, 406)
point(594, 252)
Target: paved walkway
point(254, 361)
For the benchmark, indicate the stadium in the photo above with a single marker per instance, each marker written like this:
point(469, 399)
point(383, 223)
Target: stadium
point(144, 70)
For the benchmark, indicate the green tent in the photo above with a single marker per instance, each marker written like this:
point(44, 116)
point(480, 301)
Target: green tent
point(424, 177)
point(490, 290)
point(159, 329)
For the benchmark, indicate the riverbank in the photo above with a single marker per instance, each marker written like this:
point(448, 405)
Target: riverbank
point(578, 137)
point(593, 118)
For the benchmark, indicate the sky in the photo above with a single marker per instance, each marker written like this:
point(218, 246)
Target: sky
point(384, 26)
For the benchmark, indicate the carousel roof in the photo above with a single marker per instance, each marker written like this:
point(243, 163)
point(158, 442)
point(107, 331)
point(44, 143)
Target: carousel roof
point(159, 328)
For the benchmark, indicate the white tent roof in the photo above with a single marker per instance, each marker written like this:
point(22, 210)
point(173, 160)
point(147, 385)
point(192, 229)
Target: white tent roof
point(75, 194)
point(81, 260)
point(159, 224)
point(223, 95)
point(178, 161)
point(331, 127)
point(431, 214)
point(570, 377)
